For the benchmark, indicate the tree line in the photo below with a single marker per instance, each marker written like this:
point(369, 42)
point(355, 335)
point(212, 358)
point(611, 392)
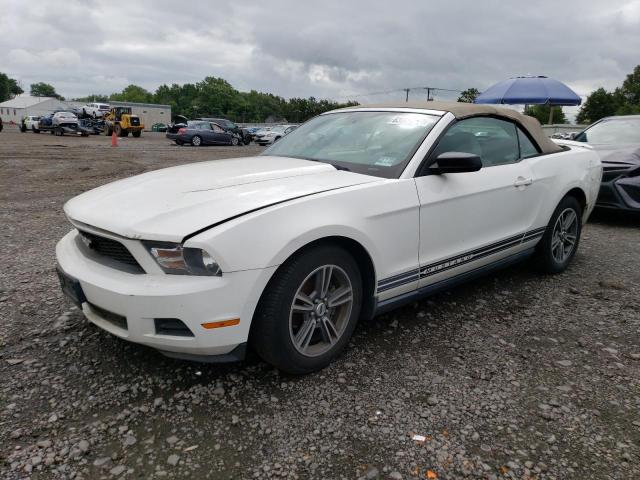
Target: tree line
point(623, 100)
point(216, 97)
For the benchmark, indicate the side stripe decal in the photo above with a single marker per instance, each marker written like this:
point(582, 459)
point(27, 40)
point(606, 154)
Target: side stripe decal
point(458, 260)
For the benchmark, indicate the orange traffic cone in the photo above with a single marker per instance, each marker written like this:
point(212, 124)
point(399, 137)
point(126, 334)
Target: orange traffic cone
point(114, 139)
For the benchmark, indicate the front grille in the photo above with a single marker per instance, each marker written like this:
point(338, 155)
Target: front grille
point(606, 196)
point(612, 170)
point(109, 248)
point(113, 318)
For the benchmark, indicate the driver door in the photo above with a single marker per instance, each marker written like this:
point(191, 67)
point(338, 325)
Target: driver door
point(469, 220)
point(219, 135)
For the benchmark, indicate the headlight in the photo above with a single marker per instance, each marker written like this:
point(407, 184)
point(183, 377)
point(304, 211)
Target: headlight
point(175, 259)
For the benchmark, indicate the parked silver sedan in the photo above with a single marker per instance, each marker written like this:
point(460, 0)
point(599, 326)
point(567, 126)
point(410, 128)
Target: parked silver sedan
point(271, 135)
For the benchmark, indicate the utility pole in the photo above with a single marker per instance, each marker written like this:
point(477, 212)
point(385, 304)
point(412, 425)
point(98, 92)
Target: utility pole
point(406, 90)
point(429, 99)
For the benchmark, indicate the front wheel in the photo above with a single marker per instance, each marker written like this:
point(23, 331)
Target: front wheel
point(561, 238)
point(234, 141)
point(309, 310)
point(196, 141)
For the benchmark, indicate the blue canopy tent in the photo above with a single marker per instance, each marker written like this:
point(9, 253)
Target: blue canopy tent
point(530, 90)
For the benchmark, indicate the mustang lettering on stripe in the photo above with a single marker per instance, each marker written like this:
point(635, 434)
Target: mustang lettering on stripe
point(453, 262)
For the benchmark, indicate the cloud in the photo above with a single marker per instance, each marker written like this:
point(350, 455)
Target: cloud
point(335, 49)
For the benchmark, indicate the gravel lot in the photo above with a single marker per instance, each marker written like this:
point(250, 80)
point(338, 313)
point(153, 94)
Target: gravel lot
point(517, 375)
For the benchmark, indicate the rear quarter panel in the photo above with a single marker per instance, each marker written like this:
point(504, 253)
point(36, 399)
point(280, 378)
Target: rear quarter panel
point(558, 173)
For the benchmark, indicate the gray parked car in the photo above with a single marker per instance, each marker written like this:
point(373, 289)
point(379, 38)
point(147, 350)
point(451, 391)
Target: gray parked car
point(198, 133)
point(617, 140)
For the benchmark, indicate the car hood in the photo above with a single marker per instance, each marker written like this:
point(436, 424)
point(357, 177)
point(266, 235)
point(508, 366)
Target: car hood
point(172, 203)
point(629, 154)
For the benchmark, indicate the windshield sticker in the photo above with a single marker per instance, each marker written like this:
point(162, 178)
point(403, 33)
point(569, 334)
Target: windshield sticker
point(385, 161)
point(411, 120)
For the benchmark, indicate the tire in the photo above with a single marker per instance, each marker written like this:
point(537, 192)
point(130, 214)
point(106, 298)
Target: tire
point(560, 241)
point(179, 142)
point(196, 141)
point(35, 130)
point(297, 342)
point(59, 131)
point(136, 134)
point(52, 132)
point(234, 141)
point(117, 129)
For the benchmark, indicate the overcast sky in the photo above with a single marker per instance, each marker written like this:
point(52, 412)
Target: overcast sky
point(328, 49)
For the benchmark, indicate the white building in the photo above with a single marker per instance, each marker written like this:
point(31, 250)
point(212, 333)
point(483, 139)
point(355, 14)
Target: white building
point(15, 109)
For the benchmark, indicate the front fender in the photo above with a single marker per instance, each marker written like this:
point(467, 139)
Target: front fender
point(383, 217)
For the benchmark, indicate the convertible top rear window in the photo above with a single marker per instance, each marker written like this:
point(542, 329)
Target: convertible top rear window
point(379, 143)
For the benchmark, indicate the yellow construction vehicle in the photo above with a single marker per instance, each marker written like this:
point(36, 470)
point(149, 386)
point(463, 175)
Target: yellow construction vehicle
point(121, 121)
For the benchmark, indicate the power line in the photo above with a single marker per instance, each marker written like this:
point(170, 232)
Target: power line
point(406, 90)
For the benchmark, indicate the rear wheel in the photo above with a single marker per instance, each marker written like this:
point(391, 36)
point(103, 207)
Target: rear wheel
point(117, 129)
point(35, 130)
point(179, 142)
point(561, 238)
point(309, 310)
point(136, 133)
point(196, 141)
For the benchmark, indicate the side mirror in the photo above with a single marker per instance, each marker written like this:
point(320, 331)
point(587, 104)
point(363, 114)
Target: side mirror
point(456, 162)
point(573, 135)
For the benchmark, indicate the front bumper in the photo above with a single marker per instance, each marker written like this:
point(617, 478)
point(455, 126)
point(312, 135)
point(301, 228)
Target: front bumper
point(264, 140)
point(620, 188)
point(113, 295)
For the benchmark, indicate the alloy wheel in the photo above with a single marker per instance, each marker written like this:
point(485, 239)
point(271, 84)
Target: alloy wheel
point(564, 236)
point(320, 310)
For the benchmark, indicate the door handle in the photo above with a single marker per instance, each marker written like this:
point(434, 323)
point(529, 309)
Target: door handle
point(522, 182)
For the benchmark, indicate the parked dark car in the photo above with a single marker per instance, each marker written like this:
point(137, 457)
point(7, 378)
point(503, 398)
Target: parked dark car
point(198, 133)
point(617, 140)
point(231, 127)
point(180, 122)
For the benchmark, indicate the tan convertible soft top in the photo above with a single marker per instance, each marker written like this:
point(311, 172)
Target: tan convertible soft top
point(466, 110)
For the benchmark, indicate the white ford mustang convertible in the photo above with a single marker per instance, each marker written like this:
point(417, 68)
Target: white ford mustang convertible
point(357, 211)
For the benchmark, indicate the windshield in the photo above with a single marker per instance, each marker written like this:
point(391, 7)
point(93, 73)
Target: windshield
point(614, 131)
point(373, 143)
